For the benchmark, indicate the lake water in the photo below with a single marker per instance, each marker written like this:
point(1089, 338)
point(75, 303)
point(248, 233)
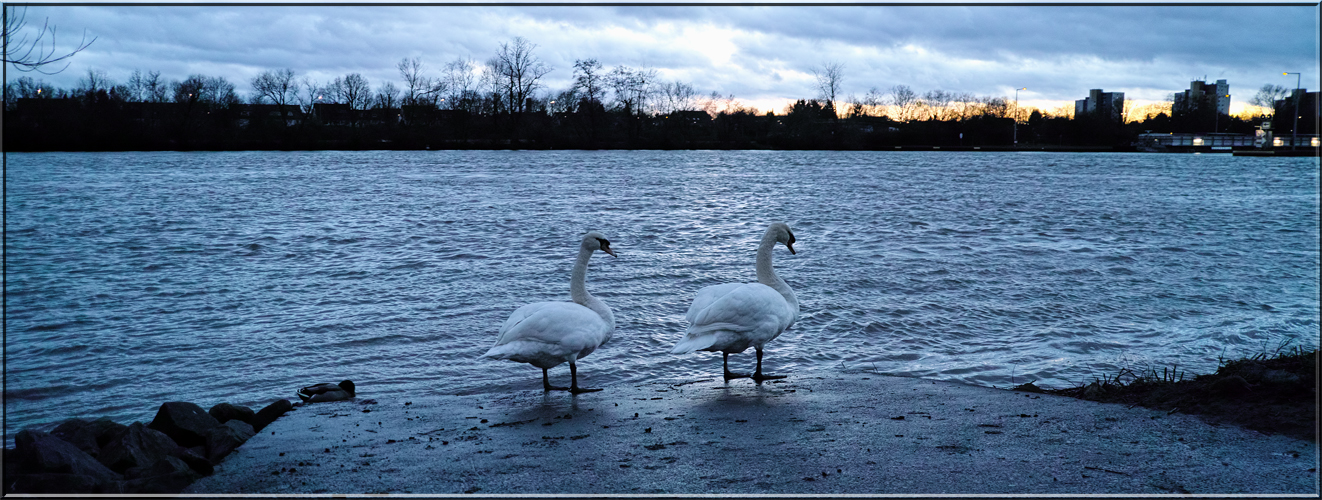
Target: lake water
point(139, 278)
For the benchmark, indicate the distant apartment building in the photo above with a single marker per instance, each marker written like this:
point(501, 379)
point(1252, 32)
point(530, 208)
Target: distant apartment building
point(1284, 119)
point(1105, 104)
point(1201, 96)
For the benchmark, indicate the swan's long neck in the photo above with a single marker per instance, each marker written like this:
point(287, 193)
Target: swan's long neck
point(766, 275)
point(578, 289)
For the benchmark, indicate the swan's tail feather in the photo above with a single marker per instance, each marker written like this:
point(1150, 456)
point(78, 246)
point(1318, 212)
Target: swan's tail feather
point(693, 343)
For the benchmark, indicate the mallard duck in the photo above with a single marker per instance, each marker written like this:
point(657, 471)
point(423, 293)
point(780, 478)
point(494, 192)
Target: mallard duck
point(327, 392)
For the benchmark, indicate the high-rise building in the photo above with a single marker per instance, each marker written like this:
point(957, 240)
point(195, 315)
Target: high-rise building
point(1201, 96)
point(1105, 104)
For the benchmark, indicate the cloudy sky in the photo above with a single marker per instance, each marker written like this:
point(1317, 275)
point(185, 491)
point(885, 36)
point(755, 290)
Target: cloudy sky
point(763, 55)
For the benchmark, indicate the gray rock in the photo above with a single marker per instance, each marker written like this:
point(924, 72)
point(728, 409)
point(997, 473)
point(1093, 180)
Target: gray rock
point(270, 413)
point(89, 436)
point(138, 446)
point(167, 475)
point(166, 465)
point(185, 423)
point(225, 438)
point(41, 453)
point(225, 412)
point(196, 458)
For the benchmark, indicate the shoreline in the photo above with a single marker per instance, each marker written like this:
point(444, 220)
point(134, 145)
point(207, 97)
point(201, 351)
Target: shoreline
point(840, 433)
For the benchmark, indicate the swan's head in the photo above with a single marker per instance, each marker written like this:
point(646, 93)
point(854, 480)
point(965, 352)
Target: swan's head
point(595, 241)
point(781, 231)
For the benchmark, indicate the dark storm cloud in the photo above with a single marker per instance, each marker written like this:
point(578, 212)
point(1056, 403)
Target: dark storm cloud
point(756, 53)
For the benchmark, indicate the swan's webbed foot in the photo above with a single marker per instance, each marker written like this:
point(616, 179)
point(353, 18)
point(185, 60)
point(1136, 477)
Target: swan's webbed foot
point(573, 386)
point(760, 377)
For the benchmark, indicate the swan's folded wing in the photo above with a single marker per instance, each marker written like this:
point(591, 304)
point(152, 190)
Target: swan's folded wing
point(707, 296)
point(565, 323)
point(743, 308)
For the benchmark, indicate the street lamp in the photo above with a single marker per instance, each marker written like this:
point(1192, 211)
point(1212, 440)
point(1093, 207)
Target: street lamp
point(1294, 131)
point(1016, 114)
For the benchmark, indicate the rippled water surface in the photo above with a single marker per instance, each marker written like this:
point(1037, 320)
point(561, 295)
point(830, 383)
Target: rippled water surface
point(139, 278)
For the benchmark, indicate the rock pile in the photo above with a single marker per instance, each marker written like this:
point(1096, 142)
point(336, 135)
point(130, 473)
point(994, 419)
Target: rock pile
point(182, 444)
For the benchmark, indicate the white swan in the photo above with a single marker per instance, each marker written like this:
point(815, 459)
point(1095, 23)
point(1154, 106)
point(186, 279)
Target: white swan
point(545, 334)
point(731, 317)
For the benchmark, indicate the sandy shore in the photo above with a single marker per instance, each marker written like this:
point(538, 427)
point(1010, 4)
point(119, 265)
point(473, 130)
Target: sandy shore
point(844, 433)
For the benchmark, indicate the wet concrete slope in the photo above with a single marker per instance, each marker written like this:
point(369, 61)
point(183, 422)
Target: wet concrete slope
point(842, 434)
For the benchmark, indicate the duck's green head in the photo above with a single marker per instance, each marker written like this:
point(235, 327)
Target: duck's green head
point(347, 385)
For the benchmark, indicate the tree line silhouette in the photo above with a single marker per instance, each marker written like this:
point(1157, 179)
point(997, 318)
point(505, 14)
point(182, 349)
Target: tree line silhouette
point(505, 103)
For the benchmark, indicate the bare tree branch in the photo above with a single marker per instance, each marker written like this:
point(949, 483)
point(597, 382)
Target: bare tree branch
point(35, 54)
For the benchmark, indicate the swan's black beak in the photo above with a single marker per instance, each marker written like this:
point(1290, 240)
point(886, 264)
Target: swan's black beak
point(607, 249)
point(790, 245)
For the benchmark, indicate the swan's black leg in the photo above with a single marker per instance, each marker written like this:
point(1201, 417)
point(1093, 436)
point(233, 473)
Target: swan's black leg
point(546, 383)
point(758, 376)
point(573, 377)
point(725, 357)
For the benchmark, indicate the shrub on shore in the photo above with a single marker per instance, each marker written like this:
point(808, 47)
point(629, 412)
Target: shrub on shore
point(1271, 393)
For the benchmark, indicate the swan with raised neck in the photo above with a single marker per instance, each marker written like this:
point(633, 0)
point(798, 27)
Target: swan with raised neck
point(735, 316)
point(578, 289)
point(778, 232)
point(546, 334)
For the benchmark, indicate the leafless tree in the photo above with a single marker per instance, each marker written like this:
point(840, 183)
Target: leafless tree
point(418, 89)
point(632, 88)
point(37, 53)
point(872, 102)
point(997, 107)
point(905, 101)
point(565, 101)
point(829, 77)
point(387, 96)
point(460, 84)
point(310, 93)
point(588, 80)
point(677, 96)
point(351, 89)
point(147, 87)
point(938, 104)
point(27, 88)
point(517, 72)
point(964, 106)
point(93, 81)
point(645, 89)
point(1268, 95)
point(207, 90)
point(489, 91)
point(714, 104)
point(277, 86)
